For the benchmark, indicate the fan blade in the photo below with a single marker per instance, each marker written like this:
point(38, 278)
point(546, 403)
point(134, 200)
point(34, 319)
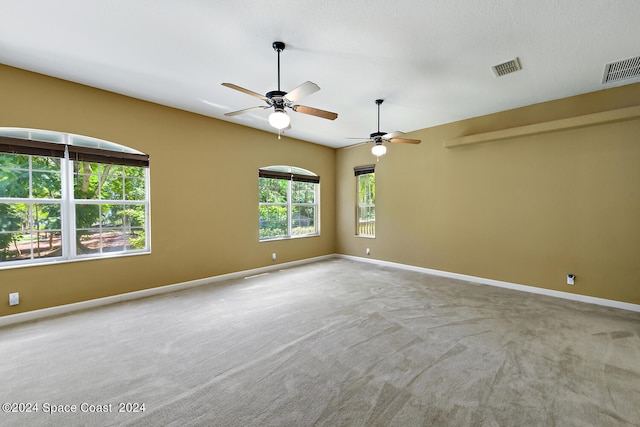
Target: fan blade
point(246, 110)
point(405, 140)
point(247, 91)
point(315, 112)
point(305, 89)
point(357, 144)
point(392, 134)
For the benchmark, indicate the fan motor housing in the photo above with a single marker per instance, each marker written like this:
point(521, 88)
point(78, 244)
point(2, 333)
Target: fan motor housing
point(275, 94)
point(276, 98)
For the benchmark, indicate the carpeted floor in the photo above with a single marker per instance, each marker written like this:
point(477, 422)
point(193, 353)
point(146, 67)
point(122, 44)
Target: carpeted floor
point(333, 343)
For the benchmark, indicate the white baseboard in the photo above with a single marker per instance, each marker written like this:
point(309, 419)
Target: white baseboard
point(500, 284)
point(83, 305)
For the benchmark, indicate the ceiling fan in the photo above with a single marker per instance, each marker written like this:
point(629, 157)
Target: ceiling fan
point(280, 100)
point(379, 149)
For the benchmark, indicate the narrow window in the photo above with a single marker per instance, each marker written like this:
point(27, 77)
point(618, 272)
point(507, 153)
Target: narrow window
point(366, 201)
point(288, 203)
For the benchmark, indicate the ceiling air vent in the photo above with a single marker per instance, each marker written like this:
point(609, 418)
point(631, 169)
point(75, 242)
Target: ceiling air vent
point(621, 70)
point(507, 67)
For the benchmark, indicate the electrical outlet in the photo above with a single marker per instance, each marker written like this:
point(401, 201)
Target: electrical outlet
point(570, 279)
point(273, 256)
point(14, 298)
point(368, 251)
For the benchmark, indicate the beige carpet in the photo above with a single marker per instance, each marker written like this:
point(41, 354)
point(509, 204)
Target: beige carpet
point(334, 343)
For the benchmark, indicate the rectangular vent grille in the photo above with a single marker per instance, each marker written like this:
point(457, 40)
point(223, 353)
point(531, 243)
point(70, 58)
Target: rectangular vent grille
point(622, 70)
point(507, 67)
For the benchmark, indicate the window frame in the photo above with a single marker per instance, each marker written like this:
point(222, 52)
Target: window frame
point(360, 172)
point(60, 145)
point(290, 174)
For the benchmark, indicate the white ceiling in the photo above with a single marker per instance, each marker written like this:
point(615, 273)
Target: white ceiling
point(429, 59)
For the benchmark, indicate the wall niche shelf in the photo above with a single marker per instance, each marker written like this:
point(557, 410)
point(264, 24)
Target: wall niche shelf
point(611, 116)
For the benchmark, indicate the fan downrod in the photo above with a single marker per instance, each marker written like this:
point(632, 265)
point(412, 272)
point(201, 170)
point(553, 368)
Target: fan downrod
point(377, 136)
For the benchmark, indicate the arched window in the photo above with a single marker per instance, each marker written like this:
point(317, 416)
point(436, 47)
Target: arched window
point(66, 197)
point(288, 203)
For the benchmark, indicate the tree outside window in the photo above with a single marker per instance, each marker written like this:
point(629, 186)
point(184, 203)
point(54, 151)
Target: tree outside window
point(366, 209)
point(287, 203)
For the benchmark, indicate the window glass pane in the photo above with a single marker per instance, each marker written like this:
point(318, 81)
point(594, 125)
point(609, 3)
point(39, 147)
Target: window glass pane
point(366, 221)
point(85, 141)
point(44, 163)
point(85, 180)
point(89, 142)
point(134, 216)
point(87, 216)
point(46, 216)
point(46, 136)
point(303, 220)
point(16, 161)
point(366, 205)
point(273, 221)
point(279, 168)
point(136, 239)
point(134, 188)
point(135, 183)
point(300, 171)
point(14, 246)
point(366, 189)
point(14, 216)
point(272, 190)
point(47, 185)
point(303, 192)
point(112, 182)
point(87, 242)
point(47, 244)
point(113, 240)
point(14, 183)
point(134, 172)
point(15, 133)
point(112, 216)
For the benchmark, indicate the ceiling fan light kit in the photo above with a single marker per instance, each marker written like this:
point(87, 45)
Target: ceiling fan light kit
point(279, 100)
point(279, 119)
point(379, 150)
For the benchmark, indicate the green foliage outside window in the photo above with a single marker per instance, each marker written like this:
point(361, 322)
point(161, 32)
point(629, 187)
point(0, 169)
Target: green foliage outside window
point(104, 226)
point(32, 227)
point(31, 212)
point(279, 217)
point(366, 221)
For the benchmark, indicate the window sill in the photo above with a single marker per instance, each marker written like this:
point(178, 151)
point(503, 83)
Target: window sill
point(275, 239)
point(66, 261)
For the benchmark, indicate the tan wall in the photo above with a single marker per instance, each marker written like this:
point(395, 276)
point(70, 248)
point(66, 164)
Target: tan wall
point(526, 210)
point(203, 191)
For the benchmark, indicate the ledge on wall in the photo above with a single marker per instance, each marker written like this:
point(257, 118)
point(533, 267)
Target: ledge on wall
point(612, 116)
